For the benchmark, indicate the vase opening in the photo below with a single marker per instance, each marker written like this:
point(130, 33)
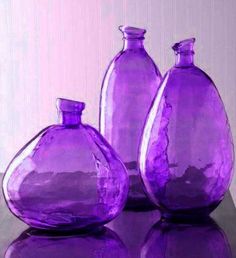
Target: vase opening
point(133, 37)
point(70, 111)
point(184, 52)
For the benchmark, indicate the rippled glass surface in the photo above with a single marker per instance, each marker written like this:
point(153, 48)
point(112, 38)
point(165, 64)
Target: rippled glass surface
point(186, 157)
point(67, 177)
point(129, 86)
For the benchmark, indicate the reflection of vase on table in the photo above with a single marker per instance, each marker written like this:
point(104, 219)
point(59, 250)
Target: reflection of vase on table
point(172, 240)
point(33, 244)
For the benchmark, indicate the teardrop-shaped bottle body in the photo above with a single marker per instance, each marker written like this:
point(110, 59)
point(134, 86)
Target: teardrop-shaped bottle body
point(128, 89)
point(186, 156)
point(67, 177)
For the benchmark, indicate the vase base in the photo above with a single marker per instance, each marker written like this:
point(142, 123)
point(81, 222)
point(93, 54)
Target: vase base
point(191, 215)
point(196, 216)
point(185, 218)
point(139, 204)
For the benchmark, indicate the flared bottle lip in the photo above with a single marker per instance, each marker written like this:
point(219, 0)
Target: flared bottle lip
point(68, 105)
point(184, 46)
point(130, 32)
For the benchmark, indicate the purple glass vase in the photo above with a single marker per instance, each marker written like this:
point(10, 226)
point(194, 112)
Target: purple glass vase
point(186, 155)
point(129, 86)
point(173, 240)
point(32, 244)
point(67, 177)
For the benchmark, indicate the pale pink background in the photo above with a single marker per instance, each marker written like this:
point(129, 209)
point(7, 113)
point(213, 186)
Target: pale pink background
point(51, 48)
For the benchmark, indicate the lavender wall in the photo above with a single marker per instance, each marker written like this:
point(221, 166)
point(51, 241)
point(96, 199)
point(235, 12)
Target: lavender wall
point(51, 48)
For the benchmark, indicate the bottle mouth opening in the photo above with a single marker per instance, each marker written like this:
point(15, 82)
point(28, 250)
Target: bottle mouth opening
point(67, 105)
point(184, 46)
point(130, 32)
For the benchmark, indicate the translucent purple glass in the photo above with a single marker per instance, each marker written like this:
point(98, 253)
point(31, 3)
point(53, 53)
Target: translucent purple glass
point(167, 240)
point(67, 177)
point(186, 155)
point(102, 244)
point(129, 86)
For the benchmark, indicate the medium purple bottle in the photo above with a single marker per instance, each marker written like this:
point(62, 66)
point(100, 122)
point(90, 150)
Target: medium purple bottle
point(67, 177)
point(129, 86)
point(186, 155)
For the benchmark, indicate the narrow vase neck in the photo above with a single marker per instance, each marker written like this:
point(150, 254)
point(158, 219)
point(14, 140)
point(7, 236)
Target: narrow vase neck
point(69, 118)
point(133, 44)
point(133, 37)
point(184, 59)
point(70, 111)
point(184, 53)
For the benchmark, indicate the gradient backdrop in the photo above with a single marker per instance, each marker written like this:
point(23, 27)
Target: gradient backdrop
point(61, 48)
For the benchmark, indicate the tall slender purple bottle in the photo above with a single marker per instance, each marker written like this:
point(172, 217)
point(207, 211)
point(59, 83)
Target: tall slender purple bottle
point(129, 86)
point(187, 155)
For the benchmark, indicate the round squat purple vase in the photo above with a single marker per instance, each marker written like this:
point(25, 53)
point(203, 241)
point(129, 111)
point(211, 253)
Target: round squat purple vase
point(128, 89)
point(67, 177)
point(186, 155)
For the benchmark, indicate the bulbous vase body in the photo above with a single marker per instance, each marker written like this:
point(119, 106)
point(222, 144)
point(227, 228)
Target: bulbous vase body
point(67, 177)
point(129, 86)
point(104, 243)
point(186, 155)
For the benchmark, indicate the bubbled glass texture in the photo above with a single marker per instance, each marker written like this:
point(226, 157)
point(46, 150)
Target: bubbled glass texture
point(129, 86)
point(67, 177)
point(186, 155)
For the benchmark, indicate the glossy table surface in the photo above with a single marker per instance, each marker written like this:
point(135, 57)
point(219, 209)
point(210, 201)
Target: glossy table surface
point(132, 234)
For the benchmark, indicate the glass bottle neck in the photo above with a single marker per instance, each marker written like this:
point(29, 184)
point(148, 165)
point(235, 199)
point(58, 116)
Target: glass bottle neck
point(133, 44)
point(70, 118)
point(184, 59)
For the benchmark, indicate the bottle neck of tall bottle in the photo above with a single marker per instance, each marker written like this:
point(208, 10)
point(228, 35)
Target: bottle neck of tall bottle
point(133, 44)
